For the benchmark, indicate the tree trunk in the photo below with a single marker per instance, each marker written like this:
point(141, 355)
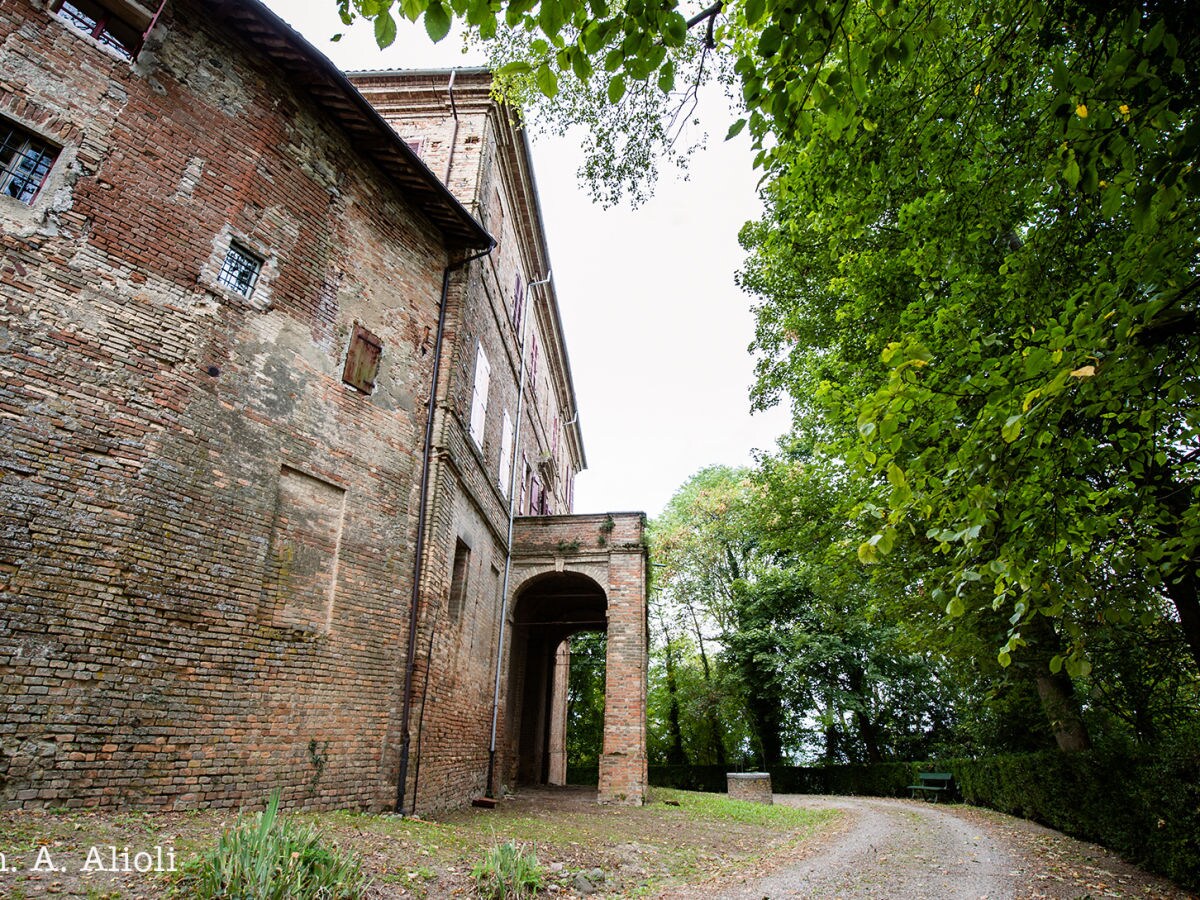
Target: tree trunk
point(765, 712)
point(718, 744)
point(1185, 594)
point(1058, 702)
point(833, 739)
point(1184, 591)
point(1055, 689)
point(867, 731)
point(675, 754)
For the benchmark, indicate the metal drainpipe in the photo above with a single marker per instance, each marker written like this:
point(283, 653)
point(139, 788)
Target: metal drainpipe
point(454, 133)
point(419, 556)
point(512, 505)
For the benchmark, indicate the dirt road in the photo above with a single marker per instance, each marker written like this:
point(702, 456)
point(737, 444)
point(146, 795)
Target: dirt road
point(899, 850)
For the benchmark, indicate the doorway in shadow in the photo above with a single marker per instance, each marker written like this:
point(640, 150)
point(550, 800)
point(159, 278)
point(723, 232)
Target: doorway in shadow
point(549, 610)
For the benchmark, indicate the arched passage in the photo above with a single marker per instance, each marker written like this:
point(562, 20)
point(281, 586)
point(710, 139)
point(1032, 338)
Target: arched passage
point(549, 609)
point(572, 574)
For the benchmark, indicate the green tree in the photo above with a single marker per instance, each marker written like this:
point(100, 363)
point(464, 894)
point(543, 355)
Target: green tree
point(701, 551)
point(864, 677)
point(585, 698)
point(983, 297)
point(800, 648)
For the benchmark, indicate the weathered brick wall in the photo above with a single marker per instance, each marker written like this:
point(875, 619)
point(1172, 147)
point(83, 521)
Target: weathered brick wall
point(456, 660)
point(206, 539)
point(165, 448)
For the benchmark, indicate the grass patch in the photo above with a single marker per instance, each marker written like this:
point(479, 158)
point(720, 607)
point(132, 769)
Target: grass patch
point(507, 871)
point(637, 849)
point(269, 858)
point(719, 808)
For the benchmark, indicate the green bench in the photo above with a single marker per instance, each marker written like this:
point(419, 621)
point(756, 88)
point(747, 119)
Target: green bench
point(932, 786)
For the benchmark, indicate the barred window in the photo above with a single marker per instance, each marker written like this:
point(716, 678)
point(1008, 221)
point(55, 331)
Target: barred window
point(239, 271)
point(24, 163)
point(103, 24)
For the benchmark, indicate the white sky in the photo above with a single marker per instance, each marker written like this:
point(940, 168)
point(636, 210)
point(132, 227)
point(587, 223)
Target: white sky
point(656, 329)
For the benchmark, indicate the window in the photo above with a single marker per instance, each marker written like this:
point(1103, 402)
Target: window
point(25, 162)
point(526, 485)
point(101, 23)
point(518, 304)
point(239, 271)
point(362, 360)
point(506, 454)
point(533, 359)
point(537, 497)
point(479, 395)
point(458, 578)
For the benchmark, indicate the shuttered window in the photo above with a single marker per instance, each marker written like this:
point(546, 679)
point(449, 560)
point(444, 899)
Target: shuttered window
point(518, 305)
point(479, 395)
point(362, 360)
point(506, 454)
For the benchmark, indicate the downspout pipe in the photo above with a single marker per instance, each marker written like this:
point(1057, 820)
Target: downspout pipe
point(419, 556)
point(454, 133)
point(512, 507)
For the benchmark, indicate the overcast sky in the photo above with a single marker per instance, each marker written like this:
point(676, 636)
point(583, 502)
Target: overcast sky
point(656, 329)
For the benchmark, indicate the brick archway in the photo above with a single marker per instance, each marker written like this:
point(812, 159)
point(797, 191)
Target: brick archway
point(571, 574)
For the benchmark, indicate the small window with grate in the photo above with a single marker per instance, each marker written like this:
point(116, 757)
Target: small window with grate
point(98, 21)
point(239, 271)
point(25, 162)
point(362, 360)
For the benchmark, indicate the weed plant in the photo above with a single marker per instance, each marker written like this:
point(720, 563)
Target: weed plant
point(269, 858)
point(508, 872)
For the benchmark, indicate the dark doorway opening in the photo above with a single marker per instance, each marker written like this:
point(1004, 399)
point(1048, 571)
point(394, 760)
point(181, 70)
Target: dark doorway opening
point(549, 610)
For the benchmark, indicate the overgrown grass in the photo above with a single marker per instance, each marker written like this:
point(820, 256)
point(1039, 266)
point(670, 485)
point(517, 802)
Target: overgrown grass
point(269, 858)
point(508, 872)
point(639, 849)
point(718, 807)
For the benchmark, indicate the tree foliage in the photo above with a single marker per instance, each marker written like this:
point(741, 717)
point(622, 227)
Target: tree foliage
point(800, 659)
point(989, 307)
point(585, 698)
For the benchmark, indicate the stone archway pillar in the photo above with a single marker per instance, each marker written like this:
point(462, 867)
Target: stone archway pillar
point(623, 773)
point(558, 715)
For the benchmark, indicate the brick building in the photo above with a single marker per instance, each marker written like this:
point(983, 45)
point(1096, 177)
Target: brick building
point(240, 548)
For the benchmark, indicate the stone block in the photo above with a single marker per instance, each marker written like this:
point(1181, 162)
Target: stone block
point(752, 786)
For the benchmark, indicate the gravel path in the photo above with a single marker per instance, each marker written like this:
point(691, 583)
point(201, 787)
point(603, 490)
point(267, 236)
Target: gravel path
point(912, 850)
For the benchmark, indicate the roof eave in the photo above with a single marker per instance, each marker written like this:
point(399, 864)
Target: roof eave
point(310, 70)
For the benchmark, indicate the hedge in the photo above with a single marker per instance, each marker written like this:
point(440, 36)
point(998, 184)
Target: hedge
point(1144, 806)
point(883, 780)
